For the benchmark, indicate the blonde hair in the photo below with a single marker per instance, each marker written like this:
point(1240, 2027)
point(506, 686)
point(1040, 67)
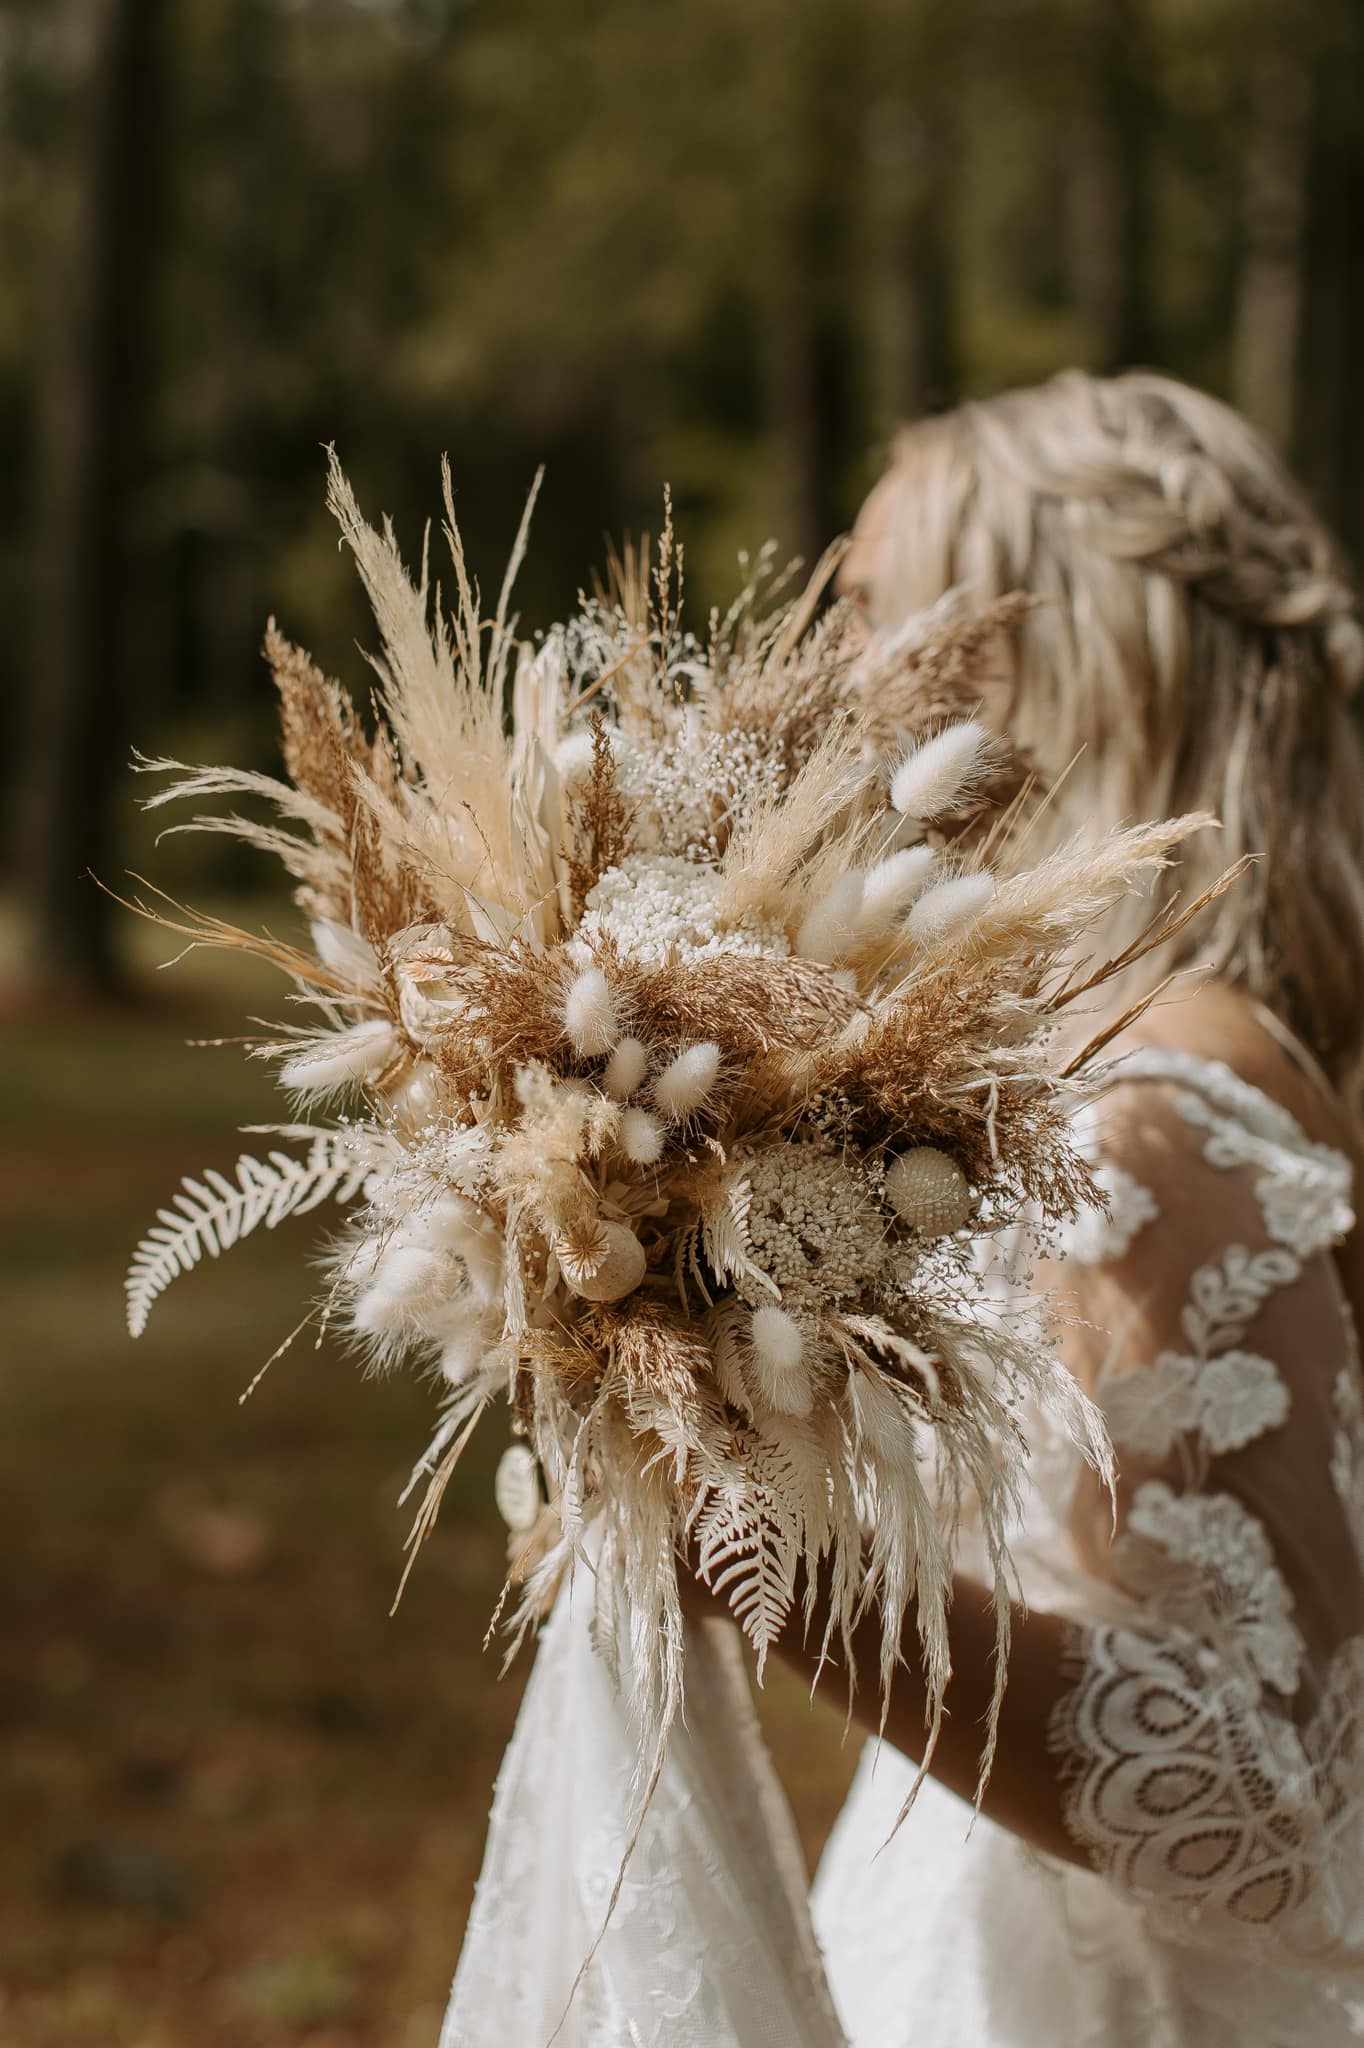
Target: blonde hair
point(1197, 647)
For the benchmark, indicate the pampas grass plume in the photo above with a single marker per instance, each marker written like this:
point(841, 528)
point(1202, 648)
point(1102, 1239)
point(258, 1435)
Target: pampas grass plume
point(344, 1060)
point(626, 1068)
point(778, 1354)
point(940, 910)
point(929, 781)
point(590, 1013)
point(828, 930)
point(686, 1081)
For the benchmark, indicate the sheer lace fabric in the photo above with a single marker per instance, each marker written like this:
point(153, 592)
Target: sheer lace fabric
point(1209, 1746)
point(1208, 1735)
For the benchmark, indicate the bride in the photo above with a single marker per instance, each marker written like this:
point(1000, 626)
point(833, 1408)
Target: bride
point(1170, 1848)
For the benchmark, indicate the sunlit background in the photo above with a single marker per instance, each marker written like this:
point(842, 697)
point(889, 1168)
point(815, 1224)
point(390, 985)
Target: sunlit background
point(725, 244)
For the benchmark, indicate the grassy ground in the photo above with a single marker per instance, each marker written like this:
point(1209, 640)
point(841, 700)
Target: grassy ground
point(240, 1806)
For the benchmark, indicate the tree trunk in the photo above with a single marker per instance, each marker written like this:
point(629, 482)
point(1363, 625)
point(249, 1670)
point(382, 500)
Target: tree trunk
point(1268, 317)
point(911, 166)
point(90, 446)
point(1109, 197)
point(1330, 439)
point(808, 351)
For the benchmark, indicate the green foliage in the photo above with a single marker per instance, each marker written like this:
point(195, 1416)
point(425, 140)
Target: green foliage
point(299, 1991)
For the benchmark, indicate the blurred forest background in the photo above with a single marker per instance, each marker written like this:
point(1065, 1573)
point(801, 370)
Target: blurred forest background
point(726, 244)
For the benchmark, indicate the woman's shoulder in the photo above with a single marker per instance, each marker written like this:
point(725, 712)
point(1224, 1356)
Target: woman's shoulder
point(1228, 1137)
point(1218, 1038)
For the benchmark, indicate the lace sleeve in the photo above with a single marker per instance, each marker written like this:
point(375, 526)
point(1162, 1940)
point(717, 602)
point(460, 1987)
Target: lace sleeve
point(1208, 1737)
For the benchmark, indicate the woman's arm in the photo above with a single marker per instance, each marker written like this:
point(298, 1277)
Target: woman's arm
point(1024, 1790)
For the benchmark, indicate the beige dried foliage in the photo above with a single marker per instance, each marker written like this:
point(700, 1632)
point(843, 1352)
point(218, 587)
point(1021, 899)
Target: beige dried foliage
point(445, 849)
point(785, 830)
point(785, 691)
point(942, 663)
point(600, 821)
point(442, 692)
point(319, 733)
point(749, 1006)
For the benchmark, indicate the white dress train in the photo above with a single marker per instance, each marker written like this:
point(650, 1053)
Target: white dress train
point(710, 1944)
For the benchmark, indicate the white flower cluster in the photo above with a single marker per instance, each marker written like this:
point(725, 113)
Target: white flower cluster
point(657, 904)
point(590, 647)
point(688, 793)
point(812, 1223)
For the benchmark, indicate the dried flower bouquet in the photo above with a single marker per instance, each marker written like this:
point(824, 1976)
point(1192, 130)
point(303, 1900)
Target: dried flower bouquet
point(685, 1059)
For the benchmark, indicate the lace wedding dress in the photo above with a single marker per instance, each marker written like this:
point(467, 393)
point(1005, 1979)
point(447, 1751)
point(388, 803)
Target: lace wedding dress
point(1210, 1754)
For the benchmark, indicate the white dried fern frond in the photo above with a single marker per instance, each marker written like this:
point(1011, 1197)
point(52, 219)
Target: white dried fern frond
point(724, 1234)
point(212, 1213)
point(747, 1544)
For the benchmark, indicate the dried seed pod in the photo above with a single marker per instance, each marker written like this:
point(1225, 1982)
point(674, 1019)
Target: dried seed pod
point(928, 1191)
point(617, 1272)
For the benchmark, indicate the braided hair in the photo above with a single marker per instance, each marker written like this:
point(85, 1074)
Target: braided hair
point(1198, 647)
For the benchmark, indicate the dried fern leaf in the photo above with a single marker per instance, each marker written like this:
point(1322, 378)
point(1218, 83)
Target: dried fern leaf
point(213, 1213)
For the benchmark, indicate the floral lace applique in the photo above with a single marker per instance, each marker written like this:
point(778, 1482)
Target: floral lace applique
point(1223, 1298)
point(1225, 1395)
point(1149, 1407)
point(1240, 1397)
point(1304, 1190)
point(1304, 1198)
point(1228, 1396)
point(1226, 1401)
point(1188, 1779)
point(1095, 1236)
point(1180, 1787)
point(1206, 1563)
